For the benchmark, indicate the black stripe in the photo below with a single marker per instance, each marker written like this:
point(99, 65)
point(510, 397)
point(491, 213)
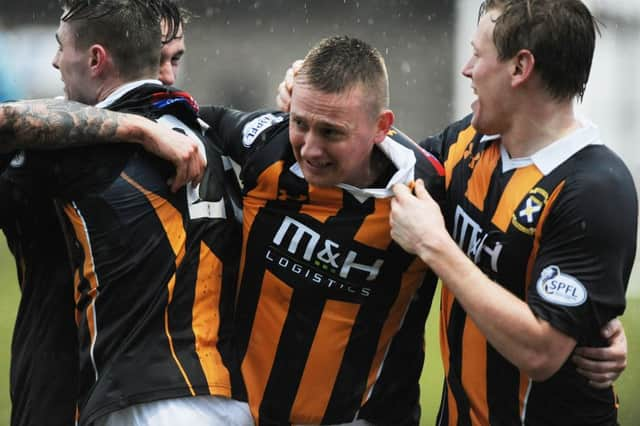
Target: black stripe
point(497, 185)
point(503, 386)
point(180, 317)
point(298, 333)
point(395, 399)
point(455, 332)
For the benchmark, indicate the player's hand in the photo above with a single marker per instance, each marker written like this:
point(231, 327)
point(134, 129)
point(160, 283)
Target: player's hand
point(416, 221)
point(602, 366)
point(285, 88)
point(179, 149)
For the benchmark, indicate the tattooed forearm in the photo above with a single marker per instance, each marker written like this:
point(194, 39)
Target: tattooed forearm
point(55, 123)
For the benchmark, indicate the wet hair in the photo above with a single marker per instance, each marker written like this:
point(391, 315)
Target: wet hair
point(559, 33)
point(128, 29)
point(175, 18)
point(340, 63)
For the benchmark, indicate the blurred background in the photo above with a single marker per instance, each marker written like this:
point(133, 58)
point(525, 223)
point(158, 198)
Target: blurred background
point(238, 50)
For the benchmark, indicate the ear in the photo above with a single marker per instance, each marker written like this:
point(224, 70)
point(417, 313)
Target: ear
point(98, 59)
point(523, 65)
point(384, 122)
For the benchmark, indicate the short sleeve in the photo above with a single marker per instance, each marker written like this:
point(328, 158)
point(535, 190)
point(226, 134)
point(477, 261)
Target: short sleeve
point(586, 253)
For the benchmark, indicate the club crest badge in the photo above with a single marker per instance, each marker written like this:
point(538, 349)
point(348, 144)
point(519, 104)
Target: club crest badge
point(525, 217)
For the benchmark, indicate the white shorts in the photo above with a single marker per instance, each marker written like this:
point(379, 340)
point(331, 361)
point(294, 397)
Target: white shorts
point(189, 411)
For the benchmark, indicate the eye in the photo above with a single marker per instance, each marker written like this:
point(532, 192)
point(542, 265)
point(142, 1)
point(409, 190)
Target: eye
point(298, 123)
point(175, 60)
point(331, 133)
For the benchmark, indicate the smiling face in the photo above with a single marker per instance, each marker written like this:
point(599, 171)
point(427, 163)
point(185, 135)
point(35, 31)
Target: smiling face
point(73, 64)
point(332, 135)
point(490, 79)
point(170, 57)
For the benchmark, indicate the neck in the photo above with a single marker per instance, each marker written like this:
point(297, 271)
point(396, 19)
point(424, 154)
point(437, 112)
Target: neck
point(378, 164)
point(538, 125)
point(107, 87)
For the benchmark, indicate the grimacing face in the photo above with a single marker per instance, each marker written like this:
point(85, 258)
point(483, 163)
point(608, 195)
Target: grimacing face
point(333, 135)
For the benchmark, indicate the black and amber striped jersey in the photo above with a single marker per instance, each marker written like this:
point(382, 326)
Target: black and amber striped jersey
point(558, 230)
point(323, 290)
point(154, 289)
point(44, 362)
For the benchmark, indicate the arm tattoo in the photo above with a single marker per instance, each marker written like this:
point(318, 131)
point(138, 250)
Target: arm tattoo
point(55, 123)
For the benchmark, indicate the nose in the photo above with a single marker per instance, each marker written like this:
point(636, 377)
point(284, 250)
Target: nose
point(166, 74)
point(312, 147)
point(467, 68)
point(55, 60)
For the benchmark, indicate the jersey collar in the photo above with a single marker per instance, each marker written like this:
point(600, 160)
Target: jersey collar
point(402, 158)
point(122, 90)
point(551, 156)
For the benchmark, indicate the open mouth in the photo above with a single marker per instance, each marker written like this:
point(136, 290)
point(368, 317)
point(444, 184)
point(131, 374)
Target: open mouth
point(317, 165)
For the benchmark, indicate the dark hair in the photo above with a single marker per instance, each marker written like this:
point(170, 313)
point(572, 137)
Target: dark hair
point(128, 29)
point(339, 63)
point(175, 18)
point(559, 33)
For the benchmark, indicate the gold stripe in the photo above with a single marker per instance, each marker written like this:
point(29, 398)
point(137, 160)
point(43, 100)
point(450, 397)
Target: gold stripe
point(519, 185)
point(457, 152)
point(206, 321)
point(478, 183)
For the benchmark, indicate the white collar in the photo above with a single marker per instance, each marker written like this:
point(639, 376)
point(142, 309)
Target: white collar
point(554, 154)
point(402, 158)
point(122, 90)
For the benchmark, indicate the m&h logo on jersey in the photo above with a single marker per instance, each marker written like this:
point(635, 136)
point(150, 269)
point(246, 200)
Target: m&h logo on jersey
point(303, 255)
point(560, 289)
point(525, 217)
point(475, 242)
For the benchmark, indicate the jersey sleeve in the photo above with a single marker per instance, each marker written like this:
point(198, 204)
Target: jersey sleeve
point(438, 145)
point(586, 253)
point(237, 133)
